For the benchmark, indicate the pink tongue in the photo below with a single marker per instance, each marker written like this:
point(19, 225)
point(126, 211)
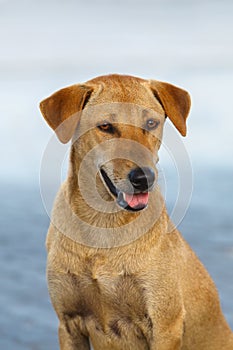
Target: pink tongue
point(137, 200)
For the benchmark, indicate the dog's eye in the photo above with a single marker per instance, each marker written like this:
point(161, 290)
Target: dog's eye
point(152, 124)
point(106, 127)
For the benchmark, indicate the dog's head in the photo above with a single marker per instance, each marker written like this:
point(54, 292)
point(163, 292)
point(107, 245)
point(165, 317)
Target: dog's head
point(119, 121)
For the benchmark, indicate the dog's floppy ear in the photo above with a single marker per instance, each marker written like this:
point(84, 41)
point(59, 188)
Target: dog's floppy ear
point(175, 101)
point(60, 110)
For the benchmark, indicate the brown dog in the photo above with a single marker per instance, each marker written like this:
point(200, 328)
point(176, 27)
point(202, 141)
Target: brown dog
point(119, 274)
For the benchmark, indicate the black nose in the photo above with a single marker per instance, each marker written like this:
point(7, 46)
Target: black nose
point(142, 178)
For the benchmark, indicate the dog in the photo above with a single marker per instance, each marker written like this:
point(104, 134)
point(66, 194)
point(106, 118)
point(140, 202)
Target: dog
point(120, 275)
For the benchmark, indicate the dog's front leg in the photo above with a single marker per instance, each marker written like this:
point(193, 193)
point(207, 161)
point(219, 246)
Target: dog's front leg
point(69, 341)
point(168, 336)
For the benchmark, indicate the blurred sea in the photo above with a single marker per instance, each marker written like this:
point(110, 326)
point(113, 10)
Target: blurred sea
point(47, 45)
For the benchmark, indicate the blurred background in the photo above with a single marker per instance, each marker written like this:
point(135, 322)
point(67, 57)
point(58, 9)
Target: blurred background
point(46, 45)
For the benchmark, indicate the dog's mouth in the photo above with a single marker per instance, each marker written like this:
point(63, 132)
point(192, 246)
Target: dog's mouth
point(128, 201)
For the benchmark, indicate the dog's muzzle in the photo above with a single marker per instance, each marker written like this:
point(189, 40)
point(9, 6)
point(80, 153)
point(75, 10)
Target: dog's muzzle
point(142, 181)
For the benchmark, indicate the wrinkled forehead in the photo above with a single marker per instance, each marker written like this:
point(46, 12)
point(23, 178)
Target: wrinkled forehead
point(123, 89)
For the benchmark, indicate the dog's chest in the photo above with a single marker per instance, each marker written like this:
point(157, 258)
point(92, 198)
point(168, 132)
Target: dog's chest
point(106, 302)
